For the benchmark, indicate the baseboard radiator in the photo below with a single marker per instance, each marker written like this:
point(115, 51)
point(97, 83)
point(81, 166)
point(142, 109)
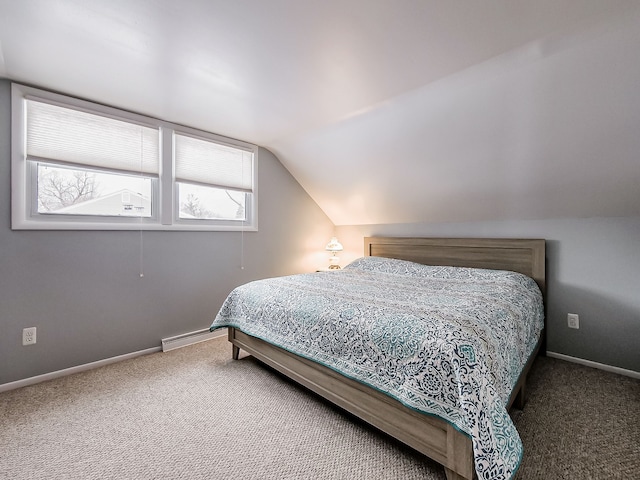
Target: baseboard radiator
point(190, 338)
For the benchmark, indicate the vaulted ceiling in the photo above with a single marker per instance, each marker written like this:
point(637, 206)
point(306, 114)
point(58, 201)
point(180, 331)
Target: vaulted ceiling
point(384, 111)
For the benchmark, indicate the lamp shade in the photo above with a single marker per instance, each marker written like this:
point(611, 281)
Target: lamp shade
point(334, 245)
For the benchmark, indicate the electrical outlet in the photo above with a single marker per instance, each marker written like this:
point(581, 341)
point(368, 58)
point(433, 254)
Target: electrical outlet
point(573, 321)
point(29, 336)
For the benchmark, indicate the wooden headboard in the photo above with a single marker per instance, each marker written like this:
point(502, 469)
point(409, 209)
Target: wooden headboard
point(525, 256)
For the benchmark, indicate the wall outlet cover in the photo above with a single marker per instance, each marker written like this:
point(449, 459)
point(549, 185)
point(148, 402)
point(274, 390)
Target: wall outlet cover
point(29, 336)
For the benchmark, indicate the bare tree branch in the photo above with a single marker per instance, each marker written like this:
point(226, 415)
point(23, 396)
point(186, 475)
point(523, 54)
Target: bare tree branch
point(57, 190)
point(193, 206)
point(240, 210)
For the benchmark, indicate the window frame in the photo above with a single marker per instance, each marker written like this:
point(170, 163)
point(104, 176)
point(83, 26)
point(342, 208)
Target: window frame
point(250, 205)
point(164, 198)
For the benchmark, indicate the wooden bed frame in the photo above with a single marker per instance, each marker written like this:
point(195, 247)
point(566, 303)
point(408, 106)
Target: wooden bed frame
point(429, 435)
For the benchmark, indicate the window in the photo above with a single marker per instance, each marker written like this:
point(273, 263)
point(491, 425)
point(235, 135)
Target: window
point(79, 165)
point(213, 180)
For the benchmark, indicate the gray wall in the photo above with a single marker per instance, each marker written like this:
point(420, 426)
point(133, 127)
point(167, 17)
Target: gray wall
point(593, 269)
point(83, 292)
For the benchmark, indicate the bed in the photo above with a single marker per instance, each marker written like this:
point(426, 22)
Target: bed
point(433, 426)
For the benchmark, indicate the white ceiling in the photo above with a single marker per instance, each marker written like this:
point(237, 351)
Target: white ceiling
point(385, 111)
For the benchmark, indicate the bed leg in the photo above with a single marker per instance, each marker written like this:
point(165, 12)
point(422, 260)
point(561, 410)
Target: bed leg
point(459, 465)
point(521, 398)
point(451, 475)
point(235, 352)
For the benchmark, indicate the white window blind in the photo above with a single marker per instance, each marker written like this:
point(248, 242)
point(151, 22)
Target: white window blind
point(210, 163)
point(59, 134)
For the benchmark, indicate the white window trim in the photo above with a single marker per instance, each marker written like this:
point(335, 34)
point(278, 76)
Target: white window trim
point(164, 190)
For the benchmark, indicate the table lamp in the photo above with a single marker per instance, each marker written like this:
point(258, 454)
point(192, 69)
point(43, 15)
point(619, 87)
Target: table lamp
point(334, 246)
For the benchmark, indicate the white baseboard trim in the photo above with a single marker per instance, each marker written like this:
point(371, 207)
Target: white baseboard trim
point(601, 366)
point(69, 371)
point(190, 338)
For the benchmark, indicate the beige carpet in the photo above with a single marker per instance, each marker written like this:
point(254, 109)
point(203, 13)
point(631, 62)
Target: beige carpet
point(195, 414)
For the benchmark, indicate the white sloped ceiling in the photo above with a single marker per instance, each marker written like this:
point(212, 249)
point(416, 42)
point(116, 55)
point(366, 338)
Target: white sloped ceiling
point(384, 111)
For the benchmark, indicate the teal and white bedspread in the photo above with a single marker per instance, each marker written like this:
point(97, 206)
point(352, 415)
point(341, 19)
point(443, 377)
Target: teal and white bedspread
point(444, 341)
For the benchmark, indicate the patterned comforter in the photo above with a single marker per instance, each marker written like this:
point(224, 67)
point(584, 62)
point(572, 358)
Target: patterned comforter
point(445, 341)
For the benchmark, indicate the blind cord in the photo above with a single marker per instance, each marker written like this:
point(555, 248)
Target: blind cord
point(141, 255)
point(142, 206)
point(244, 213)
point(242, 247)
